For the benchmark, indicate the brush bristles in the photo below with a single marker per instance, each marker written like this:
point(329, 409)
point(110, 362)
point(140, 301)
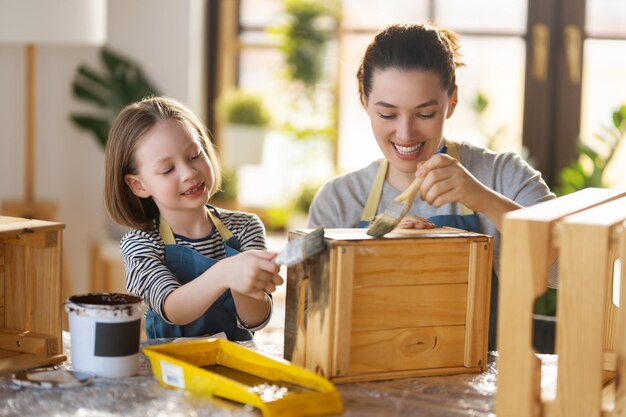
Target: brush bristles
point(388, 221)
point(382, 225)
point(301, 248)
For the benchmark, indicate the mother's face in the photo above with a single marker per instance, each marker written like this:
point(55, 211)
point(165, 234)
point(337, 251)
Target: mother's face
point(407, 110)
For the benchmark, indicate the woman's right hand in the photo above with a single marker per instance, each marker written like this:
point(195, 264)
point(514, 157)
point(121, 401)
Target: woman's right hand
point(252, 273)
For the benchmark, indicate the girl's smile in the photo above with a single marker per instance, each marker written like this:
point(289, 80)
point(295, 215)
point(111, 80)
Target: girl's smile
point(195, 191)
point(173, 169)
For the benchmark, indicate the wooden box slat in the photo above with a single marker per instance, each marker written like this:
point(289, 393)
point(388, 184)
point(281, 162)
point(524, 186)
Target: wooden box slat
point(30, 296)
point(409, 306)
point(413, 303)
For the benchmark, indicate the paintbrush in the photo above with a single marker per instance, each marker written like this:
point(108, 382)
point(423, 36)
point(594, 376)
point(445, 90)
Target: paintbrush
point(301, 248)
point(398, 208)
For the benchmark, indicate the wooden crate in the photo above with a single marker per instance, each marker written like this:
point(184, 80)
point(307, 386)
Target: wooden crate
point(30, 294)
point(587, 231)
point(413, 303)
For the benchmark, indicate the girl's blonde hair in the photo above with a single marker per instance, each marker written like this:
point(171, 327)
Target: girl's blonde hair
point(130, 125)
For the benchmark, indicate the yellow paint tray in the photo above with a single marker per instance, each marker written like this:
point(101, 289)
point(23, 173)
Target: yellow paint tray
point(225, 369)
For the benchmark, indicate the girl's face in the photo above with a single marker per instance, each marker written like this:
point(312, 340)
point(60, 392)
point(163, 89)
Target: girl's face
point(172, 168)
point(407, 110)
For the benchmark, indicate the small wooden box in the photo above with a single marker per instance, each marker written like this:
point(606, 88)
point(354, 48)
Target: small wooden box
point(413, 303)
point(30, 293)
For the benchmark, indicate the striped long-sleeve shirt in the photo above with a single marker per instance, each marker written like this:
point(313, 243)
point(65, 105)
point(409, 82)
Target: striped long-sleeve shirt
point(143, 253)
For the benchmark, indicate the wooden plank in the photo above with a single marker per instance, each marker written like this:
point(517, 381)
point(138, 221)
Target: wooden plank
point(24, 342)
point(544, 215)
point(584, 250)
point(360, 235)
point(406, 349)
point(2, 285)
point(420, 261)
point(409, 306)
point(553, 210)
point(343, 311)
point(33, 238)
point(478, 301)
point(518, 393)
point(15, 292)
point(23, 361)
point(46, 310)
point(379, 376)
point(320, 312)
point(8, 225)
point(620, 389)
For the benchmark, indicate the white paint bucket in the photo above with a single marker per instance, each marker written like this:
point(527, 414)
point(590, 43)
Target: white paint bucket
point(105, 330)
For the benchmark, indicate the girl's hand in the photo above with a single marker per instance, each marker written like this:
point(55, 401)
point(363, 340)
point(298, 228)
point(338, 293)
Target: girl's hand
point(415, 222)
point(252, 273)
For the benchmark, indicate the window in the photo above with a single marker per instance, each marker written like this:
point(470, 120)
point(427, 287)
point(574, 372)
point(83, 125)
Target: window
point(551, 71)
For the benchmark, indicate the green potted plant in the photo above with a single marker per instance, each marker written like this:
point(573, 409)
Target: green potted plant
point(246, 121)
point(120, 82)
point(108, 90)
point(588, 169)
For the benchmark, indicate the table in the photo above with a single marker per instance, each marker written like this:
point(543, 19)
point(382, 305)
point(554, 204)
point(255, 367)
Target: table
point(141, 395)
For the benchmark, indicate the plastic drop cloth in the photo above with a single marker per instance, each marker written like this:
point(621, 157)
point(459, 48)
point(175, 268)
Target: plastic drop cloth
point(141, 395)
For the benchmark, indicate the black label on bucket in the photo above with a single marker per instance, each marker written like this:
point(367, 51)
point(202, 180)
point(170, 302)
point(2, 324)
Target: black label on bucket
point(117, 339)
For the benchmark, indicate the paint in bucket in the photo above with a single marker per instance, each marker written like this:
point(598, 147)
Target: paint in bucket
point(105, 329)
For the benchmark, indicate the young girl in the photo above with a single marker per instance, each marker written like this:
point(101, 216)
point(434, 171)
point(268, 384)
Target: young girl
point(407, 85)
point(200, 270)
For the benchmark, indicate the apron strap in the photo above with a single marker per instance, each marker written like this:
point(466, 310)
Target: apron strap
point(373, 198)
point(166, 232)
point(226, 234)
point(168, 236)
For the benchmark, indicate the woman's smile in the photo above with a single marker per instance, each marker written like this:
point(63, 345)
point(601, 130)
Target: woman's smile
point(407, 151)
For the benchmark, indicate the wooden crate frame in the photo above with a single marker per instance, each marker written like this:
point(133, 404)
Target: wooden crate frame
point(587, 231)
point(328, 330)
point(30, 294)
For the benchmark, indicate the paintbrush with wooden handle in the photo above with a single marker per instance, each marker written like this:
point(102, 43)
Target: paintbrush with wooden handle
point(398, 208)
point(299, 249)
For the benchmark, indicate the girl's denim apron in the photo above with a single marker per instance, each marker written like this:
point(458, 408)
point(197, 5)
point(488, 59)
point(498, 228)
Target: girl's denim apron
point(467, 220)
point(187, 264)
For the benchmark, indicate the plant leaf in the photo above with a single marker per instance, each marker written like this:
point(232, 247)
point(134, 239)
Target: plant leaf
point(98, 126)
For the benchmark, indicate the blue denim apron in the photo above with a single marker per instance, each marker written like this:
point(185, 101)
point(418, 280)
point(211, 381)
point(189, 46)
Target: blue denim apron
point(466, 220)
point(187, 264)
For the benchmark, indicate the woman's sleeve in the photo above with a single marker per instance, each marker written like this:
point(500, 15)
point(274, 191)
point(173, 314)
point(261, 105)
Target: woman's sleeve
point(324, 210)
point(520, 182)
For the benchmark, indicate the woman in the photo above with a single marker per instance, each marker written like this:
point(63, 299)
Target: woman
point(407, 85)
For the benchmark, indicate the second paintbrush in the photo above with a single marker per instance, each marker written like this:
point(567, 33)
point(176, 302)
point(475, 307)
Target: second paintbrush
point(400, 206)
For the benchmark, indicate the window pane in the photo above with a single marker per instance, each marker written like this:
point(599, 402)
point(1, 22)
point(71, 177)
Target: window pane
point(507, 16)
point(501, 81)
point(376, 14)
point(261, 78)
point(357, 146)
point(606, 18)
point(604, 90)
point(261, 13)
